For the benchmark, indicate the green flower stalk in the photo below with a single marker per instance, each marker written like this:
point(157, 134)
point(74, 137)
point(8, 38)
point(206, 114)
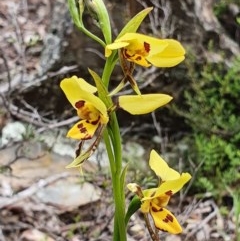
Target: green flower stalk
point(99, 12)
point(77, 16)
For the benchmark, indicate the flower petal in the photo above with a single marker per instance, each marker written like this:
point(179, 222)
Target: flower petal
point(133, 187)
point(163, 62)
point(113, 46)
point(149, 192)
point(165, 220)
point(173, 49)
point(148, 199)
point(143, 104)
point(78, 82)
point(145, 207)
point(140, 60)
point(156, 45)
point(77, 89)
point(172, 55)
point(161, 168)
point(82, 130)
point(173, 186)
point(168, 187)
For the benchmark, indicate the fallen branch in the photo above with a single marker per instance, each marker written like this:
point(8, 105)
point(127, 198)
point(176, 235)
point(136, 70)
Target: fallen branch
point(34, 118)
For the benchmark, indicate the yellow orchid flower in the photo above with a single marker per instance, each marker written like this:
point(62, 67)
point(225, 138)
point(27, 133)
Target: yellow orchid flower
point(155, 200)
point(91, 110)
point(146, 51)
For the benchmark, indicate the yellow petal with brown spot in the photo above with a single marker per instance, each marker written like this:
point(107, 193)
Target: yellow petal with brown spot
point(165, 220)
point(82, 130)
point(78, 89)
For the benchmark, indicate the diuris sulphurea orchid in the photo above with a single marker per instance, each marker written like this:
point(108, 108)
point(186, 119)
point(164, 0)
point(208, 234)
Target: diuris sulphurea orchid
point(135, 48)
point(154, 200)
point(146, 51)
point(90, 109)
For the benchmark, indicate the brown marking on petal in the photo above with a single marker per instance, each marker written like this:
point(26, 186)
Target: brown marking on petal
point(154, 209)
point(78, 151)
point(138, 58)
point(152, 194)
point(127, 55)
point(79, 104)
point(169, 193)
point(87, 137)
point(163, 230)
point(79, 126)
point(169, 218)
point(95, 122)
point(147, 47)
point(82, 128)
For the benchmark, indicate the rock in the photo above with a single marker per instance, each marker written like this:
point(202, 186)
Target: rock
point(69, 194)
point(137, 231)
point(13, 131)
point(32, 161)
point(171, 237)
point(34, 235)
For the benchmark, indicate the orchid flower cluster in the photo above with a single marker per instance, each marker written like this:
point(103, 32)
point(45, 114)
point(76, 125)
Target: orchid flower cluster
point(96, 109)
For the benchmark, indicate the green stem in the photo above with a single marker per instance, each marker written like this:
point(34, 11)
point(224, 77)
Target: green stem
point(114, 150)
point(108, 68)
point(92, 36)
point(109, 150)
point(117, 179)
point(119, 209)
point(106, 137)
point(113, 144)
point(116, 139)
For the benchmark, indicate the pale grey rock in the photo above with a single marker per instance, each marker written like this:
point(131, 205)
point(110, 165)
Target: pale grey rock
point(12, 132)
point(69, 194)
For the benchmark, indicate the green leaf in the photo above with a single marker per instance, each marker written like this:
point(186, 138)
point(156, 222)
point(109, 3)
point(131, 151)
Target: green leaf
point(78, 161)
point(123, 176)
point(134, 205)
point(238, 20)
point(133, 25)
point(77, 16)
point(102, 91)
